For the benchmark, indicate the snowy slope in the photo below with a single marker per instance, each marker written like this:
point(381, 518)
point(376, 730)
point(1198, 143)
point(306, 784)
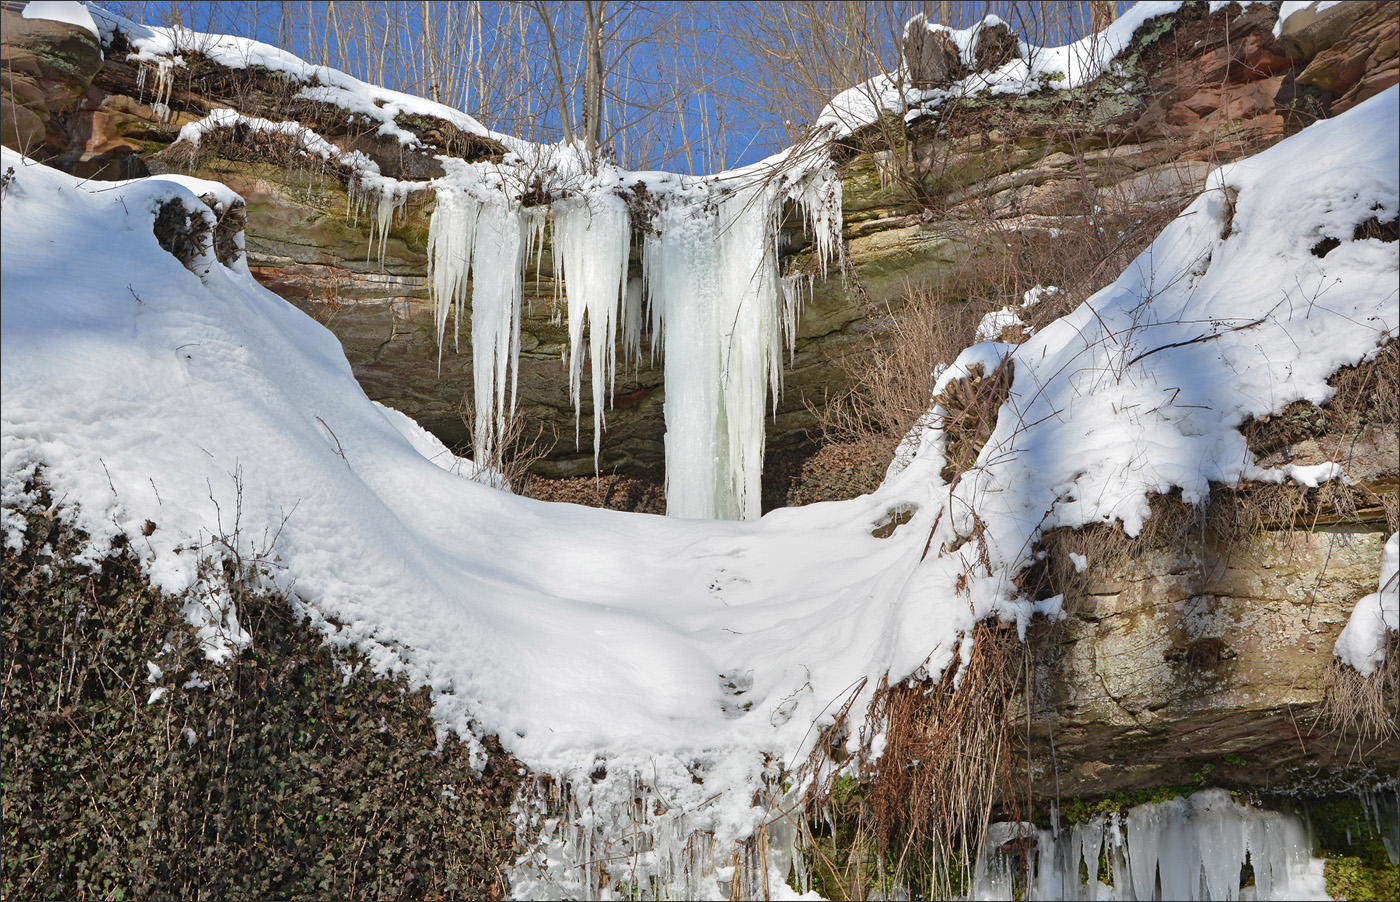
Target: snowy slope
point(670, 650)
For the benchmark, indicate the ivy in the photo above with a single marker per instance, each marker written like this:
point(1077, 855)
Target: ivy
point(278, 780)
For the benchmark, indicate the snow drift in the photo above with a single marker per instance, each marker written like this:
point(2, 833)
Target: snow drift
point(682, 662)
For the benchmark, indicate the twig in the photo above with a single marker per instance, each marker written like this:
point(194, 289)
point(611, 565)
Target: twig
point(1197, 340)
point(338, 449)
point(109, 477)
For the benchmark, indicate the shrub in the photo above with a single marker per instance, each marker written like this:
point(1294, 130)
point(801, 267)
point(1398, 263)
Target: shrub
point(286, 773)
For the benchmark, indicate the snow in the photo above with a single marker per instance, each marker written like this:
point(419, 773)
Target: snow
point(308, 141)
point(71, 13)
point(1189, 848)
point(582, 637)
point(1035, 69)
point(1362, 642)
point(1289, 7)
point(322, 83)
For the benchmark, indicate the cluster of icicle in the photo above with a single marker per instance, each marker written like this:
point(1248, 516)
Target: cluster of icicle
point(624, 836)
point(1183, 848)
point(164, 71)
point(718, 308)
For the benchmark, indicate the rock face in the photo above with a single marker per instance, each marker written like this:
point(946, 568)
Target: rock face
point(1205, 648)
point(1198, 91)
point(1200, 658)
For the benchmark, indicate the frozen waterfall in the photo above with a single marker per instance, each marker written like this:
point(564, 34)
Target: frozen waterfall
point(720, 310)
point(1201, 847)
point(592, 237)
point(489, 241)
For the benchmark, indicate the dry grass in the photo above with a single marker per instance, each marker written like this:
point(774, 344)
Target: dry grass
point(893, 379)
point(1106, 548)
point(972, 404)
point(1363, 706)
point(642, 491)
point(1366, 394)
point(921, 808)
point(893, 382)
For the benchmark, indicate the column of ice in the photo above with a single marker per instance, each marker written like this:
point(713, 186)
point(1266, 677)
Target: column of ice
point(682, 263)
point(750, 336)
point(504, 236)
point(723, 312)
point(591, 241)
point(490, 240)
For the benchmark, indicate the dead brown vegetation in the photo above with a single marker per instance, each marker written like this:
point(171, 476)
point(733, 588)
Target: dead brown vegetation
point(1363, 706)
point(640, 492)
point(513, 451)
point(921, 805)
point(972, 404)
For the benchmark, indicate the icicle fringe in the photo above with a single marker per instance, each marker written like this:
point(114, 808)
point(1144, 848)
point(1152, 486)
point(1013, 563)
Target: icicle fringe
point(719, 309)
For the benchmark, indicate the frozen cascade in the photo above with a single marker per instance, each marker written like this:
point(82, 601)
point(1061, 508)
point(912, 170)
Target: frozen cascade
point(654, 836)
point(712, 283)
point(720, 311)
point(592, 237)
point(489, 241)
point(503, 240)
point(682, 267)
point(1183, 848)
point(723, 312)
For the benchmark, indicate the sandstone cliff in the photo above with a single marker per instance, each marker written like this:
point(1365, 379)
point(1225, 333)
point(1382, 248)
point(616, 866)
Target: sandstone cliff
point(1206, 643)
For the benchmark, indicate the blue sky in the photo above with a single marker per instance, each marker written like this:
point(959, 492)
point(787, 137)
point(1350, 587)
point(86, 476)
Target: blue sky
point(692, 87)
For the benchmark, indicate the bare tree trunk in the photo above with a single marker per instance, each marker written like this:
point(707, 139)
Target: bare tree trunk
point(593, 76)
point(556, 61)
point(1102, 13)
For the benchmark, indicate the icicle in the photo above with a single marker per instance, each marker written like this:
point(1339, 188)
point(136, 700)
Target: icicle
point(633, 305)
point(649, 836)
point(390, 197)
point(591, 243)
point(1091, 843)
point(819, 197)
point(797, 288)
point(532, 224)
point(749, 338)
point(500, 234)
point(451, 236)
point(1192, 848)
point(722, 313)
point(489, 241)
point(682, 264)
point(164, 70)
